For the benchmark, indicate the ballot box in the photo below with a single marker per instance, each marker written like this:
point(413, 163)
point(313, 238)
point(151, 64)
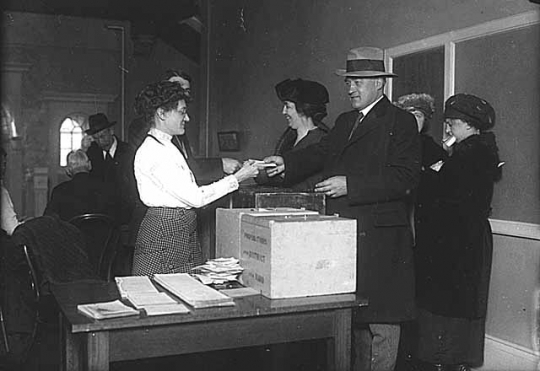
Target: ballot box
point(294, 255)
point(228, 226)
point(271, 197)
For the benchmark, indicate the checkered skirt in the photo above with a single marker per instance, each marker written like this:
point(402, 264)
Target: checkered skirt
point(167, 242)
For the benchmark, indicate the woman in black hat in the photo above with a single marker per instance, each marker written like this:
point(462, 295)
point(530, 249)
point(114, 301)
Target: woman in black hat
point(454, 259)
point(167, 240)
point(304, 107)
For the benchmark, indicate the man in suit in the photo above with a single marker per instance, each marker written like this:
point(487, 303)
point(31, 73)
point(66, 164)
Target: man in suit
point(112, 162)
point(370, 163)
point(82, 194)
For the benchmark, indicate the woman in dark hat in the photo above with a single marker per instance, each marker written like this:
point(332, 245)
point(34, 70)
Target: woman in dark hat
point(454, 260)
point(167, 241)
point(304, 107)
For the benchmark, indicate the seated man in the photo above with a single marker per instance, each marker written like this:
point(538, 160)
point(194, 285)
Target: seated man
point(82, 194)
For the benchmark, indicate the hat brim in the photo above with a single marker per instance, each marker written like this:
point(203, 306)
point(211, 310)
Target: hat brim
point(342, 72)
point(94, 130)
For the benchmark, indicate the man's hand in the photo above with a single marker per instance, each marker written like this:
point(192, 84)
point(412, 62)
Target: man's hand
point(230, 165)
point(279, 169)
point(333, 187)
point(86, 141)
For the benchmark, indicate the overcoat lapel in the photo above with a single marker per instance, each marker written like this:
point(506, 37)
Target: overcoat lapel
point(374, 119)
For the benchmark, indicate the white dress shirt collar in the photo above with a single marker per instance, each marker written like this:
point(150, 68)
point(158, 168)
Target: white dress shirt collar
point(366, 110)
point(113, 148)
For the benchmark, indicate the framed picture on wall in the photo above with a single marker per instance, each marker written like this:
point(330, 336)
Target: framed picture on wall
point(229, 141)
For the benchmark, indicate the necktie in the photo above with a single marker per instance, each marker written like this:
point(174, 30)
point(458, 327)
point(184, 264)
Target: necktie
point(179, 143)
point(356, 123)
point(108, 156)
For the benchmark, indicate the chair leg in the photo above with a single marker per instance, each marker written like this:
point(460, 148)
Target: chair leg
point(4, 331)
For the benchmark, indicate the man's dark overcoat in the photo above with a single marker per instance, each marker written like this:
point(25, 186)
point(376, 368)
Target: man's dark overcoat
point(381, 162)
point(119, 174)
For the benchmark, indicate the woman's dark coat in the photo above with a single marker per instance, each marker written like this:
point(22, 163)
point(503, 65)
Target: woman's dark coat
point(426, 192)
point(454, 254)
point(285, 145)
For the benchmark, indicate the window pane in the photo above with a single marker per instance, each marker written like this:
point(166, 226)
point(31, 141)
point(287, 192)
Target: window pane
point(70, 138)
point(422, 72)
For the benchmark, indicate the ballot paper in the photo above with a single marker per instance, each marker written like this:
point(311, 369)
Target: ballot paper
point(261, 163)
point(104, 310)
point(218, 271)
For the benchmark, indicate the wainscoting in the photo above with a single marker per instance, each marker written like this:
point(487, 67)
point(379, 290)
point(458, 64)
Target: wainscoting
point(512, 326)
point(503, 356)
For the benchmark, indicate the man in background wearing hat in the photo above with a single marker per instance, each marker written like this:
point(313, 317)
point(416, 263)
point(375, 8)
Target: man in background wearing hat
point(370, 161)
point(112, 161)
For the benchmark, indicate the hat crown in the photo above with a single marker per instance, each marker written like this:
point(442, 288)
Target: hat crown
point(98, 122)
point(366, 52)
point(477, 111)
point(302, 91)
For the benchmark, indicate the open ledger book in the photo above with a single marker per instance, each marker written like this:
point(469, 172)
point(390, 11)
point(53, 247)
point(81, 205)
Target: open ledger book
point(191, 291)
point(143, 295)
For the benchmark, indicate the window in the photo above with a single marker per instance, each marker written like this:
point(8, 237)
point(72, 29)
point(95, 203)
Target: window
point(71, 136)
point(498, 61)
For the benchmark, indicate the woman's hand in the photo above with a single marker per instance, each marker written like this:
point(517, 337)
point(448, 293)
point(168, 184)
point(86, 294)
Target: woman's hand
point(248, 170)
point(278, 169)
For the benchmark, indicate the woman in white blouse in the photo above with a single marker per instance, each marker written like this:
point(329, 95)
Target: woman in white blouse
point(167, 240)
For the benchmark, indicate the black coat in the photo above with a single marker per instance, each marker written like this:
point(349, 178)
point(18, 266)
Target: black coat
point(286, 145)
point(82, 195)
point(432, 153)
point(382, 165)
point(119, 175)
point(454, 253)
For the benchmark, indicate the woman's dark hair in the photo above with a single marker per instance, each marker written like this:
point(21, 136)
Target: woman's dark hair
point(163, 94)
point(316, 111)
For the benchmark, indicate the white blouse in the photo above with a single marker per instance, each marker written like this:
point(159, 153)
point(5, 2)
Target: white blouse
point(9, 220)
point(164, 178)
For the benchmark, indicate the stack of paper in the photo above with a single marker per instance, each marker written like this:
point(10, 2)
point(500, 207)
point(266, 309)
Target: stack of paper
point(218, 271)
point(142, 294)
point(192, 291)
point(110, 309)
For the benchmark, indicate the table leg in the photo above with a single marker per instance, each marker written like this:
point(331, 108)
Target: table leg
point(339, 355)
point(71, 348)
point(97, 351)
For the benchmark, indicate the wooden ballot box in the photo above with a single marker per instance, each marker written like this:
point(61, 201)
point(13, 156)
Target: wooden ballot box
point(294, 255)
point(228, 225)
point(254, 196)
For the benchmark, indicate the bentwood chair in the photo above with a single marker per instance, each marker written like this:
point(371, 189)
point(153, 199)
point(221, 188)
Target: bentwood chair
point(102, 240)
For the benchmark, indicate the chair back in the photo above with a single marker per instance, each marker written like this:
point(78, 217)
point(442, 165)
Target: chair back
point(102, 240)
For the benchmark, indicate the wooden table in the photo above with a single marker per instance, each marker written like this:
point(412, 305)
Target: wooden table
point(253, 321)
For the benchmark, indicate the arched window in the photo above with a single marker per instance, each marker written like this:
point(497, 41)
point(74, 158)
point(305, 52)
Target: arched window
point(71, 134)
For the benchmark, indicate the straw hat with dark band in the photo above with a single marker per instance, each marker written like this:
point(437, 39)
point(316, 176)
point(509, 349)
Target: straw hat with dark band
point(365, 62)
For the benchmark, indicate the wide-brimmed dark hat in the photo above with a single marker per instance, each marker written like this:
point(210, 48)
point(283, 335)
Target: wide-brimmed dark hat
point(98, 122)
point(365, 61)
point(302, 91)
point(472, 109)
